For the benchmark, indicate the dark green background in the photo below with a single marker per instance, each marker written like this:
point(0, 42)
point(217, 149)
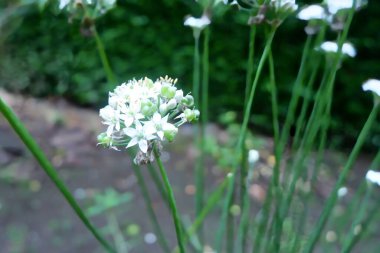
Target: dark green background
point(42, 54)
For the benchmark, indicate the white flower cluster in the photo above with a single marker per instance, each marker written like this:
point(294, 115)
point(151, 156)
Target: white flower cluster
point(331, 11)
point(143, 112)
point(332, 47)
point(100, 6)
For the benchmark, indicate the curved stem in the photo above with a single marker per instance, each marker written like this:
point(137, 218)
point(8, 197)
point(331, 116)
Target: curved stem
point(39, 155)
point(172, 202)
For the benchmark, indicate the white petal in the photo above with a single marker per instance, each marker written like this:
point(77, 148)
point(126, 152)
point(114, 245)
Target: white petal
point(143, 145)
point(373, 177)
point(128, 120)
point(131, 132)
point(109, 130)
point(132, 142)
point(372, 85)
point(253, 156)
point(198, 23)
point(160, 134)
point(312, 12)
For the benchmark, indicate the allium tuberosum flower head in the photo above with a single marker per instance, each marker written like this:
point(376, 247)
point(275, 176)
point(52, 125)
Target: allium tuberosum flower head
point(373, 85)
point(145, 113)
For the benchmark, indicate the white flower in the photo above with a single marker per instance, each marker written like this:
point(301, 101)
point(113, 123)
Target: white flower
point(372, 85)
point(160, 125)
point(373, 177)
point(285, 4)
point(253, 156)
point(197, 23)
point(332, 47)
point(63, 3)
point(140, 135)
point(312, 12)
point(336, 5)
point(111, 118)
point(342, 192)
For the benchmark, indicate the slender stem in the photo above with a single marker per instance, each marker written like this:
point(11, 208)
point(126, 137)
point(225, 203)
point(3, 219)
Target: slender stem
point(250, 63)
point(39, 155)
point(276, 171)
point(103, 57)
point(358, 219)
point(342, 178)
point(243, 131)
point(120, 243)
point(212, 201)
point(152, 215)
point(244, 201)
point(172, 202)
point(350, 244)
point(196, 69)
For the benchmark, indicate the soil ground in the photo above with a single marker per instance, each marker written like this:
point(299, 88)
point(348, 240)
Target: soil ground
point(34, 217)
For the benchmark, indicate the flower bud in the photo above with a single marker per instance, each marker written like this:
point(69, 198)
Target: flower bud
point(148, 108)
point(178, 96)
point(163, 108)
point(188, 101)
point(191, 115)
point(172, 104)
point(104, 140)
point(148, 82)
point(170, 132)
point(168, 91)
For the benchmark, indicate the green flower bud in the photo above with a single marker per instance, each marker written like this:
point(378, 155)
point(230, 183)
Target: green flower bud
point(168, 91)
point(148, 108)
point(187, 101)
point(191, 115)
point(104, 140)
point(170, 132)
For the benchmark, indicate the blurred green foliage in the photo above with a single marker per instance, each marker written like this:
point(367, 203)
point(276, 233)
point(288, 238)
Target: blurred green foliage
point(44, 53)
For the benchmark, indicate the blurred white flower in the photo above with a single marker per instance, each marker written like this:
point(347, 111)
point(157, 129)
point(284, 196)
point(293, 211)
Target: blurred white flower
point(372, 85)
point(336, 5)
point(289, 4)
point(342, 192)
point(311, 12)
point(253, 156)
point(373, 177)
point(332, 47)
point(63, 3)
point(197, 23)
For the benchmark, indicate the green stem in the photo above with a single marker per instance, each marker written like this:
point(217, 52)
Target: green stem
point(103, 57)
point(172, 202)
point(230, 187)
point(152, 215)
point(250, 63)
point(358, 219)
point(276, 171)
point(39, 155)
point(342, 178)
point(212, 201)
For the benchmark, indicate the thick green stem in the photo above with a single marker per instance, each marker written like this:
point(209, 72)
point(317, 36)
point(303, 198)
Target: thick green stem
point(172, 202)
point(39, 155)
point(342, 178)
point(152, 215)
